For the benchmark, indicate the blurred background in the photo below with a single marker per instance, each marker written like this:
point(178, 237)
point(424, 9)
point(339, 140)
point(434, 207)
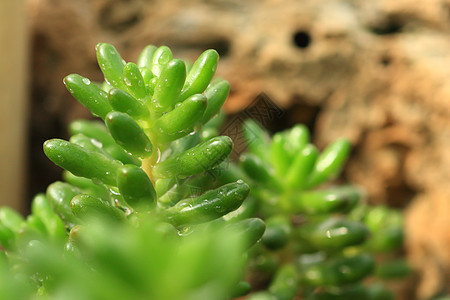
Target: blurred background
point(376, 72)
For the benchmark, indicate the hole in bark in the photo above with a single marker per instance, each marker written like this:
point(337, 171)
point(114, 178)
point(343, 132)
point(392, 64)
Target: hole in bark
point(389, 26)
point(299, 113)
point(400, 195)
point(301, 39)
point(385, 60)
point(398, 192)
point(221, 46)
point(120, 16)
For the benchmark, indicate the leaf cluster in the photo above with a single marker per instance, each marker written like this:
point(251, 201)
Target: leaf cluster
point(150, 207)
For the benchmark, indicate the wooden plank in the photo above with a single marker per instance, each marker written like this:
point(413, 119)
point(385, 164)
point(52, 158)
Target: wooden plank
point(13, 94)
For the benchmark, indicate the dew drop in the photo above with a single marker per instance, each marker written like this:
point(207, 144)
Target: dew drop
point(164, 58)
point(114, 192)
point(185, 231)
point(86, 81)
point(97, 143)
point(158, 155)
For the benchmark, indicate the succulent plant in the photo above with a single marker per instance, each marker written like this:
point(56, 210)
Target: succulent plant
point(151, 207)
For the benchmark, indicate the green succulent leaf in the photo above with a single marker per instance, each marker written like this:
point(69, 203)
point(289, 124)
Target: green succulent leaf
point(87, 185)
point(136, 188)
point(59, 195)
point(87, 207)
point(256, 169)
point(134, 81)
point(216, 94)
point(278, 158)
point(296, 138)
point(82, 162)
point(97, 130)
point(146, 57)
point(338, 199)
point(111, 64)
point(302, 166)
point(128, 134)
point(354, 291)
point(123, 102)
point(11, 219)
point(378, 291)
point(258, 141)
point(329, 163)
point(180, 121)
point(209, 206)
point(200, 74)
point(241, 289)
point(88, 94)
point(335, 233)
point(248, 230)
point(88, 143)
point(278, 232)
point(161, 57)
point(200, 158)
point(7, 237)
point(386, 240)
point(285, 283)
point(339, 270)
point(392, 269)
point(168, 86)
point(41, 208)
